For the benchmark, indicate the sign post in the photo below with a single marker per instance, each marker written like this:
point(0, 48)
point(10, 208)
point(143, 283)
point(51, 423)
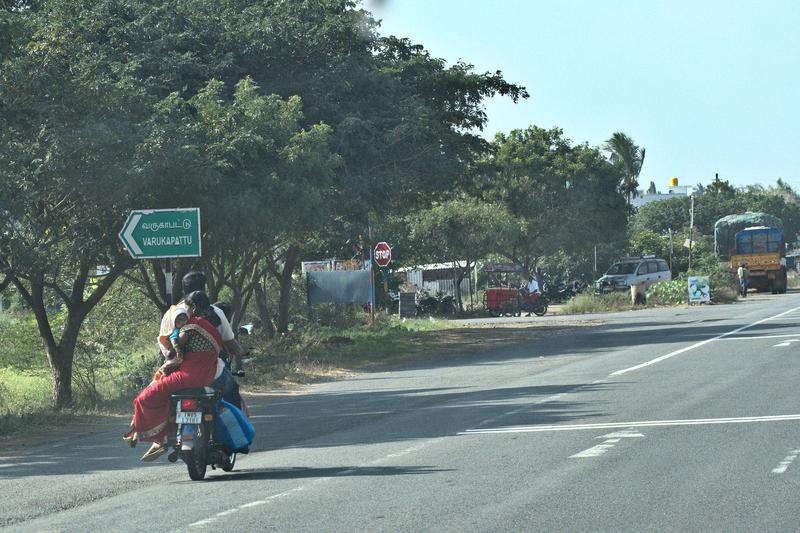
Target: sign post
point(163, 234)
point(383, 254)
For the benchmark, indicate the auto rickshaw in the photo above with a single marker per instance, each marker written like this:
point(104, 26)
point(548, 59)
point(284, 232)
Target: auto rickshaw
point(501, 296)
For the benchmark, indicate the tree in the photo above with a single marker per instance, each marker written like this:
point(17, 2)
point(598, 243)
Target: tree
point(630, 158)
point(719, 186)
point(67, 137)
point(461, 231)
point(566, 195)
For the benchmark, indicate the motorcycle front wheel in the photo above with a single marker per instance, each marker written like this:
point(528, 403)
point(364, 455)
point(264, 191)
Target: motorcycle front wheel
point(195, 458)
point(540, 309)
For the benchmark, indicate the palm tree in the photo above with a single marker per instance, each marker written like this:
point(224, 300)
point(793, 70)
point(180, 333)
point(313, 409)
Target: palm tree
point(630, 157)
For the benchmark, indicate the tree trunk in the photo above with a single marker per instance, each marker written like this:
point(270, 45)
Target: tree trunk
point(61, 354)
point(263, 311)
point(61, 366)
point(285, 279)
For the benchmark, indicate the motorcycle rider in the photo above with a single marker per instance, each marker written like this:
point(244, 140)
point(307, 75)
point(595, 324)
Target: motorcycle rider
point(530, 291)
point(533, 286)
point(223, 379)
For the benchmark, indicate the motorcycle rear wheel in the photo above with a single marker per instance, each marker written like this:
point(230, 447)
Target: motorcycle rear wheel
point(229, 464)
point(195, 458)
point(540, 309)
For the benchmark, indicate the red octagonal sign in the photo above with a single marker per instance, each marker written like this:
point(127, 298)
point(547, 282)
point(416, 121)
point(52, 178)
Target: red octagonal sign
point(383, 254)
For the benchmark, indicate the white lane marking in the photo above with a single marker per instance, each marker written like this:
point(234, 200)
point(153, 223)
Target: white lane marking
point(782, 344)
point(644, 423)
point(698, 344)
point(783, 465)
point(595, 451)
point(520, 409)
point(221, 514)
point(759, 337)
point(411, 449)
point(30, 463)
point(628, 433)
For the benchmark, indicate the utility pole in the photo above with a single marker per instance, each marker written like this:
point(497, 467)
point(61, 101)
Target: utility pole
point(691, 227)
point(670, 250)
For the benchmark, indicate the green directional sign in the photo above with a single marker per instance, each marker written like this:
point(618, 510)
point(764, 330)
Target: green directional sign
point(162, 233)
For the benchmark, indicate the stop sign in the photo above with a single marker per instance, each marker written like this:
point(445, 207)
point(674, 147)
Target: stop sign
point(383, 254)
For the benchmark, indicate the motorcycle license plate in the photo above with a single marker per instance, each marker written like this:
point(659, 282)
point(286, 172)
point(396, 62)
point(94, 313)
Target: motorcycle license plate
point(188, 417)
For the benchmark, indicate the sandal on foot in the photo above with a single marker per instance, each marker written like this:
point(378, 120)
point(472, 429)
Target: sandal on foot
point(155, 451)
point(131, 438)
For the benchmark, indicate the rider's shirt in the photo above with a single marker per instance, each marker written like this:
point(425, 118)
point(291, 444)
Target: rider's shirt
point(533, 287)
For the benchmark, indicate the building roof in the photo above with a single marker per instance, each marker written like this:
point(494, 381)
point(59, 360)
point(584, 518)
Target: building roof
point(434, 266)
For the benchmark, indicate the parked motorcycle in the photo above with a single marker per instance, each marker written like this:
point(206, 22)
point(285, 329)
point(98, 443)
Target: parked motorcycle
point(564, 291)
point(435, 305)
point(535, 303)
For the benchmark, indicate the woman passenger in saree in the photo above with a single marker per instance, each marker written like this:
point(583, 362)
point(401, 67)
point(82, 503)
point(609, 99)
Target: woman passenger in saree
point(193, 366)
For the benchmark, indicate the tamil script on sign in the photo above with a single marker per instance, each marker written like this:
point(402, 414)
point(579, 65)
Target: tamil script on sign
point(158, 226)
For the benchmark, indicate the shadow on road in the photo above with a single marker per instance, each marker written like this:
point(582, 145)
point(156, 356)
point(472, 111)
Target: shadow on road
point(306, 473)
point(328, 419)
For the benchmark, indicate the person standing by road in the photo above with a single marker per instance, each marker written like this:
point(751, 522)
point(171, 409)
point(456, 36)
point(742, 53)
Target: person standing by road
point(743, 274)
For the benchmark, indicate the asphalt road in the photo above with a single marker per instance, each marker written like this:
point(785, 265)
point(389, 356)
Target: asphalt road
point(655, 420)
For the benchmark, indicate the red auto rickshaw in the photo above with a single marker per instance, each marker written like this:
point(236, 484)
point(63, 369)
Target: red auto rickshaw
point(503, 296)
point(501, 293)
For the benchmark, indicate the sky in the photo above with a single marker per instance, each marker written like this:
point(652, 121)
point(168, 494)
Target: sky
point(705, 86)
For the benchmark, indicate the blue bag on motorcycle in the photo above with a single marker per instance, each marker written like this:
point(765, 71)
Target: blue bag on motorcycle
point(233, 428)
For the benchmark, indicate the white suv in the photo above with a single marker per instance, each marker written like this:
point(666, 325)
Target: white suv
point(633, 270)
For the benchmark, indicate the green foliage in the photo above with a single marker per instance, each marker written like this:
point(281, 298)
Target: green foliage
point(116, 350)
point(780, 202)
point(629, 158)
point(721, 280)
point(22, 345)
point(649, 243)
point(673, 292)
point(562, 268)
point(567, 194)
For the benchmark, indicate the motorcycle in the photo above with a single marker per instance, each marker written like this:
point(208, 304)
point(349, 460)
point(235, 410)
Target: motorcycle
point(535, 303)
point(431, 305)
point(195, 413)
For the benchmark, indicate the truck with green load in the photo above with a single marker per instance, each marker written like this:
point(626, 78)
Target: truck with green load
point(763, 250)
point(756, 239)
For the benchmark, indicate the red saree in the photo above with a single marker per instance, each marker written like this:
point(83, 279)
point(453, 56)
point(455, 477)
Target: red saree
point(151, 406)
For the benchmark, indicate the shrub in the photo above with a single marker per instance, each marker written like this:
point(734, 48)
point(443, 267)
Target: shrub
point(598, 303)
point(668, 292)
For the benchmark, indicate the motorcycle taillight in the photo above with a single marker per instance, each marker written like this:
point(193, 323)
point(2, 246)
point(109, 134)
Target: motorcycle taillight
point(189, 405)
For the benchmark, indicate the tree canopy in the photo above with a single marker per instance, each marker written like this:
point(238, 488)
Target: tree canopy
point(287, 123)
point(566, 193)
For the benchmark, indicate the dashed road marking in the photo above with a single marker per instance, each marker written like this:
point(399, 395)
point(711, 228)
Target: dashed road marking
point(783, 465)
point(595, 451)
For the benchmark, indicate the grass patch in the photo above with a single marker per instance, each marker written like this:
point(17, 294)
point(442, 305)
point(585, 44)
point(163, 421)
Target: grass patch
point(319, 352)
point(597, 303)
point(24, 391)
